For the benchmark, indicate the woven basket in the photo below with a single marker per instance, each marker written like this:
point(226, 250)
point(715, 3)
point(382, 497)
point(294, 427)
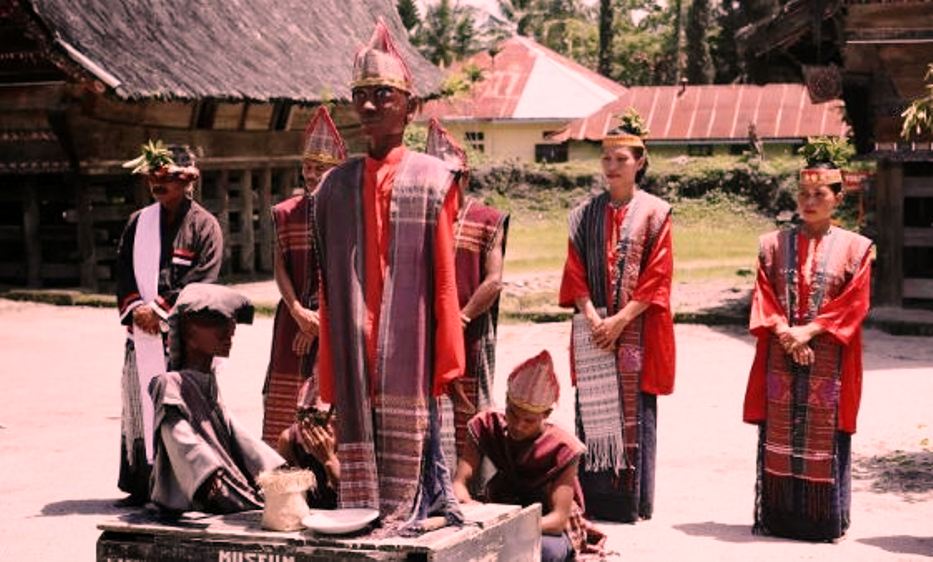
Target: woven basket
point(285, 498)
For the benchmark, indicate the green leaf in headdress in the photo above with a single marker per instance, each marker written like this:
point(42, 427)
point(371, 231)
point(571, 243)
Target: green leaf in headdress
point(154, 155)
point(632, 122)
point(836, 150)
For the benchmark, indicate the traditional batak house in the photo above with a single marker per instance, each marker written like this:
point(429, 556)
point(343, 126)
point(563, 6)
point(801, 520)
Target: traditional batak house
point(711, 120)
point(873, 54)
point(82, 86)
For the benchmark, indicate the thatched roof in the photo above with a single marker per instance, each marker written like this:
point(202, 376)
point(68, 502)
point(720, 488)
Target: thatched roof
point(257, 50)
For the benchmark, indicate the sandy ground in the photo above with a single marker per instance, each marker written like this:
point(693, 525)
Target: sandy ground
point(59, 432)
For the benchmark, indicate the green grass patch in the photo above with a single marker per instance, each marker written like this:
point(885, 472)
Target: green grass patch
point(714, 238)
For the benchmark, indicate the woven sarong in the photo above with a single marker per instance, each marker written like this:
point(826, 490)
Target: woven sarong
point(288, 371)
point(477, 230)
point(599, 401)
point(799, 479)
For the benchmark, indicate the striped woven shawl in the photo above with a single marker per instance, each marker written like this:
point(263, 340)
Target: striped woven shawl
point(383, 431)
point(601, 414)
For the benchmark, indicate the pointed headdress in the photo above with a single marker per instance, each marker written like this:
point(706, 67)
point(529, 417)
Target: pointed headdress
point(533, 385)
point(380, 64)
point(322, 140)
point(443, 145)
point(631, 131)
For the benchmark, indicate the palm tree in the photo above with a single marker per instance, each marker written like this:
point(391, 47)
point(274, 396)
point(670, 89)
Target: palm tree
point(525, 15)
point(447, 33)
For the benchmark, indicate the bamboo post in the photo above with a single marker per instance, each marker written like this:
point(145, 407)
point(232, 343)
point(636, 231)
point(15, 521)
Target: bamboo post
point(32, 244)
point(247, 233)
point(223, 215)
point(266, 228)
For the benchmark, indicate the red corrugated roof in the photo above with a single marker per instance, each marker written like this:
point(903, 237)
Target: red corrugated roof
point(504, 83)
point(717, 112)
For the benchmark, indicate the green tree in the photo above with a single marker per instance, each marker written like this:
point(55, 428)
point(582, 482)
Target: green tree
point(408, 11)
point(464, 34)
point(525, 15)
point(606, 13)
point(645, 45)
point(699, 61)
point(436, 36)
point(447, 33)
point(729, 17)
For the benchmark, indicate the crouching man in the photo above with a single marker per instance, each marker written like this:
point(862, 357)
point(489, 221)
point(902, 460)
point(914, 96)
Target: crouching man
point(310, 443)
point(535, 461)
point(204, 460)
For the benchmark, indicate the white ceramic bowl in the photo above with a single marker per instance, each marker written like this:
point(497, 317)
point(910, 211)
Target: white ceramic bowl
point(339, 521)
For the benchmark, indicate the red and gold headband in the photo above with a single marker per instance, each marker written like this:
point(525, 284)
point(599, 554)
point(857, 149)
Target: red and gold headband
point(321, 156)
point(820, 176)
point(528, 406)
point(625, 139)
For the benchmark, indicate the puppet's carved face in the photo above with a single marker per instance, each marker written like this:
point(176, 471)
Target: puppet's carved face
point(384, 111)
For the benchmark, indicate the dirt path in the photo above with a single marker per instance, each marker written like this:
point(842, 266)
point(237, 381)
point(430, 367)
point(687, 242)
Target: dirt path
point(59, 431)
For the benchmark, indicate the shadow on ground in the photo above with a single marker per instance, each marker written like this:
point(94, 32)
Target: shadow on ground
point(902, 544)
point(728, 309)
point(905, 473)
point(722, 532)
point(82, 507)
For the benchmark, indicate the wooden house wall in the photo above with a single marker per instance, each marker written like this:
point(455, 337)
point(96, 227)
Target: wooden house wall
point(60, 226)
point(886, 53)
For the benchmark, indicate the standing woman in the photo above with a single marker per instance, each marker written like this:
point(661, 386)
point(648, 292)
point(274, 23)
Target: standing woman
point(618, 278)
point(295, 330)
point(810, 298)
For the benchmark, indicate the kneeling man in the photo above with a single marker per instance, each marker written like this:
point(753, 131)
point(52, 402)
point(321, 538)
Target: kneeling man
point(204, 460)
point(535, 460)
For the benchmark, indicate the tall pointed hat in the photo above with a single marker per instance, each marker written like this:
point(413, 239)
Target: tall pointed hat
point(443, 145)
point(533, 385)
point(380, 64)
point(322, 140)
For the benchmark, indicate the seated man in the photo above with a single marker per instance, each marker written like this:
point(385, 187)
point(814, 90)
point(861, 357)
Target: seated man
point(204, 460)
point(310, 443)
point(535, 460)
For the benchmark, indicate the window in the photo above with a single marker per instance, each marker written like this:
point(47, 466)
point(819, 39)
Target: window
point(699, 150)
point(205, 112)
point(551, 152)
point(281, 115)
point(738, 149)
point(476, 140)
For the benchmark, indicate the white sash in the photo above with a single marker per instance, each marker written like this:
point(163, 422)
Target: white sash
point(150, 353)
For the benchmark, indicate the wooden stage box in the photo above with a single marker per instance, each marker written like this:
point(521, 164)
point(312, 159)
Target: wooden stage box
point(492, 532)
